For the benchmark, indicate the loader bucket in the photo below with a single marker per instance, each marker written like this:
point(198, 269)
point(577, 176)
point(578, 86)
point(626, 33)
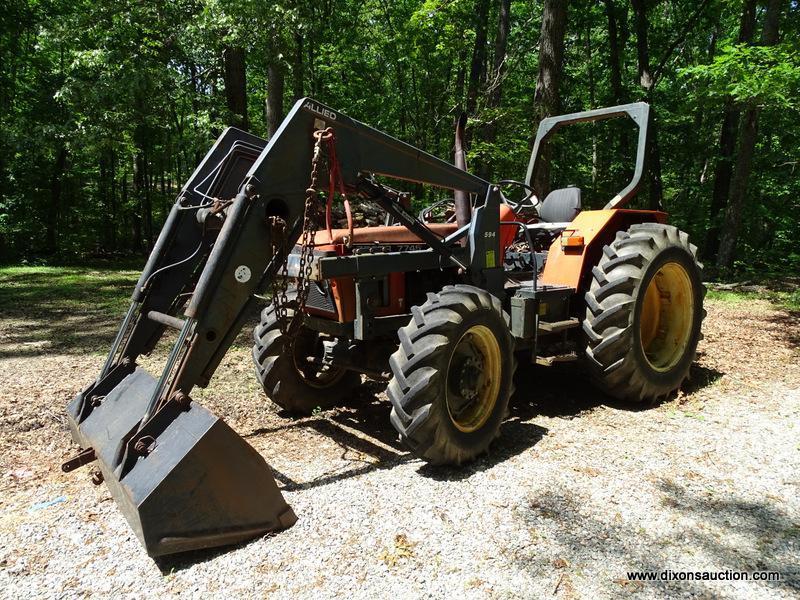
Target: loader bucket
point(198, 485)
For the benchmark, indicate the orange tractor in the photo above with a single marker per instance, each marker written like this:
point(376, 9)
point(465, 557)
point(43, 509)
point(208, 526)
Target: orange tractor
point(445, 311)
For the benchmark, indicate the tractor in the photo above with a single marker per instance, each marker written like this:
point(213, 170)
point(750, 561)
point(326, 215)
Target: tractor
point(444, 308)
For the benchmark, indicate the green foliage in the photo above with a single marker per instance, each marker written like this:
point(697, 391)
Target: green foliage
point(763, 75)
point(788, 299)
point(113, 102)
point(59, 290)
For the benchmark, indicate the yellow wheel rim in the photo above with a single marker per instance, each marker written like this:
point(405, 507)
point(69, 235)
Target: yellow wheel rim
point(665, 324)
point(473, 379)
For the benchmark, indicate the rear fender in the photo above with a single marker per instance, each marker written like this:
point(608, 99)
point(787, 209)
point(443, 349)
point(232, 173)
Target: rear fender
point(573, 254)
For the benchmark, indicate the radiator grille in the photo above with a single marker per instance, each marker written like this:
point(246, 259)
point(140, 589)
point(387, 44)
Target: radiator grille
point(320, 298)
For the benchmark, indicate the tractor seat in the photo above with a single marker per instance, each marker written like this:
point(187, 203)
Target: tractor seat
point(558, 210)
point(384, 234)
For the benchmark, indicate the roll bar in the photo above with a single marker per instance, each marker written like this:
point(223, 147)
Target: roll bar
point(639, 112)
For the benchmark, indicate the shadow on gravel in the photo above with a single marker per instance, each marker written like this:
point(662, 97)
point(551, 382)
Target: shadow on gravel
point(360, 428)
point(515, 437)
point(771, 535)
point(178, 562)
point(58, 332)
point(555, 392)
point(700, 377)
point(564, 391)
point(577, 535)
point(788, 322)
point(767, 537)
point(558, 391)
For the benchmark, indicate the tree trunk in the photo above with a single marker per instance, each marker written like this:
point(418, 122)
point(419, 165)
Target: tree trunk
point(55, 209)
point(592, 95)
point(496, 81)
point(616, 45)
point(136, 218)
point(748, 137)
point(163, 185)
point(547, 98)
point(500, 48)
point(723, 171)
point(642, 48)
point(112, 209)
point(274, 97)
point(236, 85)
point(478, 65)
point(461, 78)
point(654, 164)
point(148, 202)
point(646, 80)
point(141, 193)
point(105, 201)
point(733, 215)
point(297, 67)
point(614, 53)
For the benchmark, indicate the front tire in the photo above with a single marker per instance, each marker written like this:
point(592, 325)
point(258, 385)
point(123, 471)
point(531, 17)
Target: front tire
point(288, 379)
point(644, 309)
point(452, 375)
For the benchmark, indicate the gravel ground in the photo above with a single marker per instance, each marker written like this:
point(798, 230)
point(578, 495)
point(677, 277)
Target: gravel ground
point(575, 493)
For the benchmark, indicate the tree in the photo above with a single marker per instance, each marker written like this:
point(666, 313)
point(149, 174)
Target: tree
point(495, 83)
point(107, 107)
point(647, 80)
point(748, 134)
point(614, 53)
point(236, 85)
point(547, 98)
point(274, 106)
point(727, 142)
point(499, 65)
point(477, 67)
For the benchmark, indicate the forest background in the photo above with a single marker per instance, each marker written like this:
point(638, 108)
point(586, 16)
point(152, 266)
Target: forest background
point(107, 106)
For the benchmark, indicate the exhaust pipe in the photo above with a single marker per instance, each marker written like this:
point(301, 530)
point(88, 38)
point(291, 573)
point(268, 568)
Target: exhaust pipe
point(461, 198)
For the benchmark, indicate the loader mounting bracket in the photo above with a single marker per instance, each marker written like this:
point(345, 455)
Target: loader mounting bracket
point(84, 457)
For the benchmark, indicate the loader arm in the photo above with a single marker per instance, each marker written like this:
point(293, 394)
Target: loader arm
point(275, 186)
point(237, 261)
point(157, 449)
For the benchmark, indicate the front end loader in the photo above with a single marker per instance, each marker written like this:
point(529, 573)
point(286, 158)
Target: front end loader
point(444, 311)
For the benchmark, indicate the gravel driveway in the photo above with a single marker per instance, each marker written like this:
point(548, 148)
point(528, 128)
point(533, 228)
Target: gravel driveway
point(576, 493)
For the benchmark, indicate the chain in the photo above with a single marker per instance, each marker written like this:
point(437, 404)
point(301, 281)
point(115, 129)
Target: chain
point(290, 327)
point(280, 282)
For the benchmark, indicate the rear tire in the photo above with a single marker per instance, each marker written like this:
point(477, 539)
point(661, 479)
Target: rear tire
point(289, 382)
point(452, 375)
point(644, 309)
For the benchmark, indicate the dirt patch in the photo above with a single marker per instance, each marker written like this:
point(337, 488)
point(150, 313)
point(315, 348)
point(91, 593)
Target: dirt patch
point(576, 492)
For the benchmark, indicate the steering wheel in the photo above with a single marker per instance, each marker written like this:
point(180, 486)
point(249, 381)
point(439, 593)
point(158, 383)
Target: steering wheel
point(528, 202)
point(426, 213)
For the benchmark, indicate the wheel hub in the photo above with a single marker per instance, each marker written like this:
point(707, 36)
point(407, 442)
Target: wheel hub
point(307, 352)
point(469, 378)
point(473, 379)
point(667, 316)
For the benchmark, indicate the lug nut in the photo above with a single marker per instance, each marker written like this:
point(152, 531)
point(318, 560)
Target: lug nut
point(97, 477)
